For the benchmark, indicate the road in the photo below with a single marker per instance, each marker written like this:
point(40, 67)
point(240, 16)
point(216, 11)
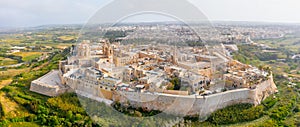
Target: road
point(14, 65)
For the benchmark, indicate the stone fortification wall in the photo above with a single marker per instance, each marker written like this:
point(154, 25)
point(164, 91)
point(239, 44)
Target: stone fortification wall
point(49, 84)
point(46, 90)
point(180, 104)
point(196, 105)
point(184, 105)
point(263, 90)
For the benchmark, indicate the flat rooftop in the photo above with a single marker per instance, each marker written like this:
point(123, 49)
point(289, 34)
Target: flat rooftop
point(51, 79)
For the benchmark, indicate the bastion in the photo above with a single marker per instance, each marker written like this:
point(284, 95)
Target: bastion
point(49, 84)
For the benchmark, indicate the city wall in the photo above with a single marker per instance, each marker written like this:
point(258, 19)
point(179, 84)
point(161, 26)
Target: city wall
point(180, 104)
point(196, 105)
point(47, 90)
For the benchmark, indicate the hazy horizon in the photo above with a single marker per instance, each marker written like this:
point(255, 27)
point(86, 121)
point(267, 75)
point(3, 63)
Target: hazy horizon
point(32, 13)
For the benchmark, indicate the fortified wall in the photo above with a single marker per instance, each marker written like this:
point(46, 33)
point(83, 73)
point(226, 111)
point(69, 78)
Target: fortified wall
point(178, 104)
point(197, 105)
point(49, 84)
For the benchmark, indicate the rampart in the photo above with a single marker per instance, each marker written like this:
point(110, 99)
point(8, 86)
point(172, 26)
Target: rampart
point(49, 84)
point(179, 104)
point(197, 105)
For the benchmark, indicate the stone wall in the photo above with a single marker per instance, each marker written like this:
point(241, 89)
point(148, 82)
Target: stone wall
point(196, 105)
point(184, 105)
point(45, 90)
point(180, 104)
point(49, 84)
point(263, 90)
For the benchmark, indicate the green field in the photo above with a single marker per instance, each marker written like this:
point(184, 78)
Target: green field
point(67, 38)
point(7, 61)
point(27, 56)
point(291, 43)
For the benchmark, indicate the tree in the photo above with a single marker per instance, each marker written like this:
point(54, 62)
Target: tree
point(78, 117)
point(69, 115)
point(54, 120)
point(176, 82)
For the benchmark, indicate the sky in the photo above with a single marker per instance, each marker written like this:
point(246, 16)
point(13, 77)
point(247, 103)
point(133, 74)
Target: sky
point(20, 13)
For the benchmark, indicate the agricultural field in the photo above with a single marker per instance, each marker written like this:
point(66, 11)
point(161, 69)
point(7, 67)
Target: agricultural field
point(67, 38)
point(291, 43)
point(11, 41)
point(5, 82)
point(5, 74)
point(279, 61)
point(15, 96)
point(28, 56)
point(11, 109)
point(7, 61)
